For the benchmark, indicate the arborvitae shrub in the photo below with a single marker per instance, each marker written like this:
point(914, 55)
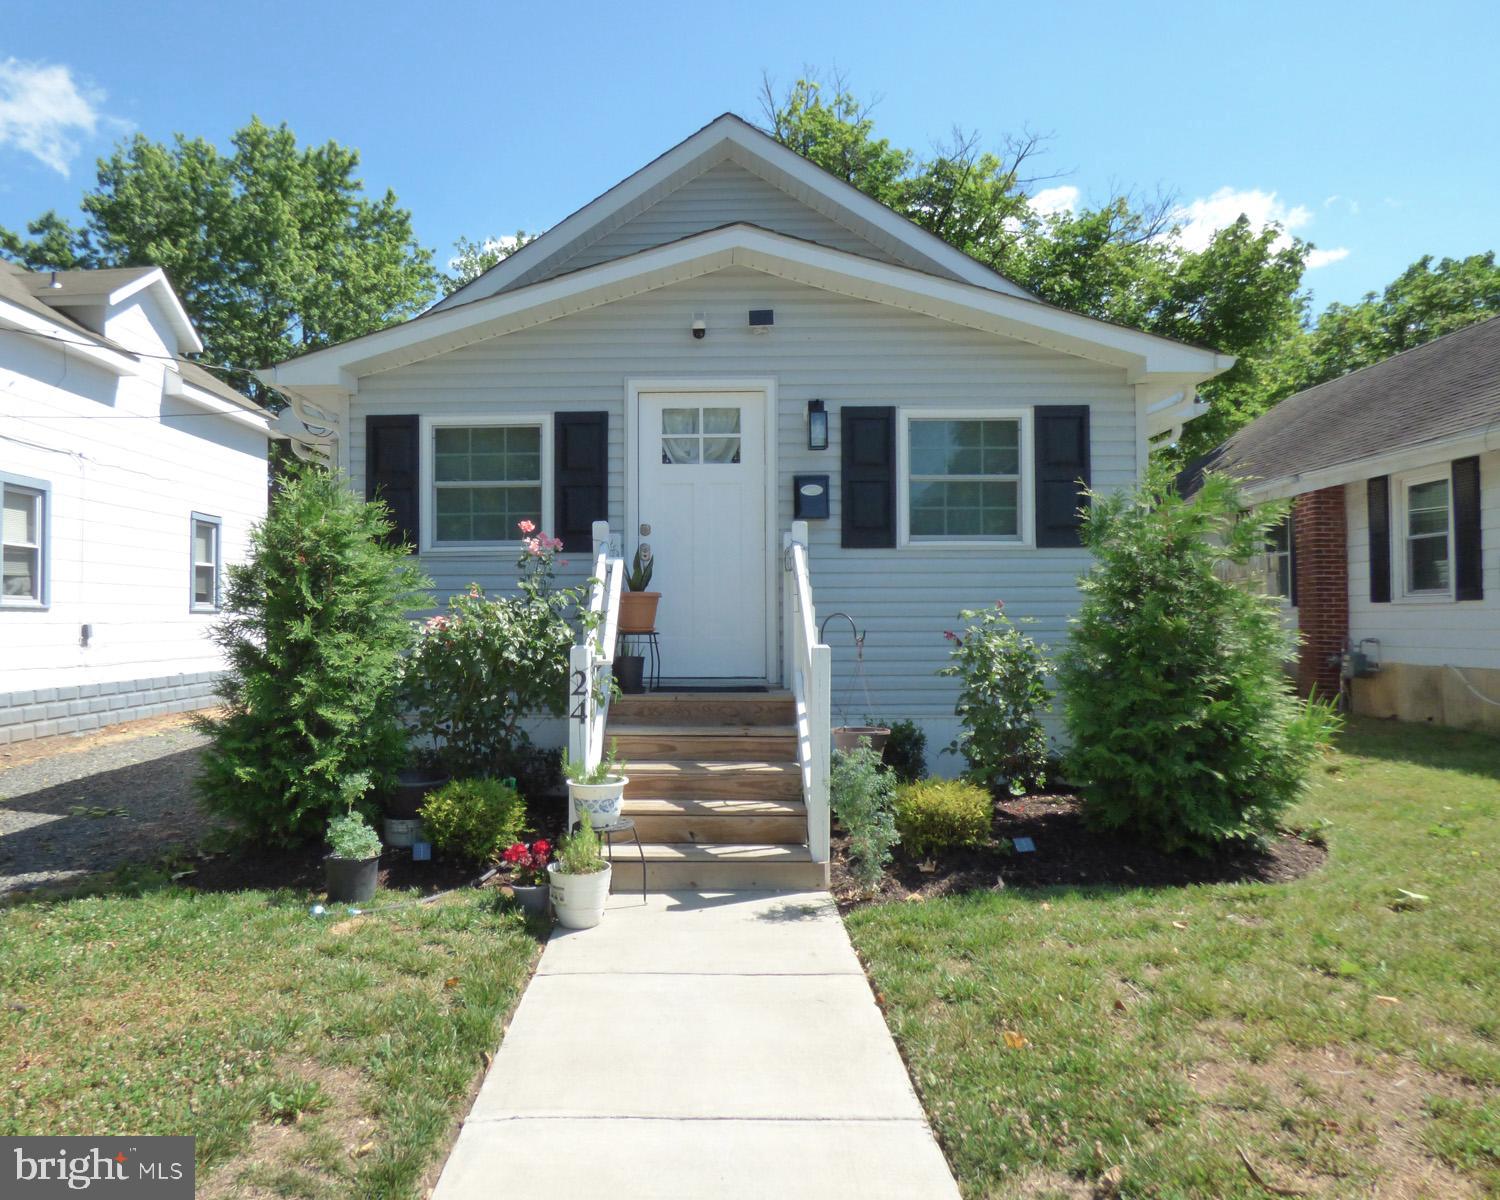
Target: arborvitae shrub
point(314, 626)
point(1182, 722)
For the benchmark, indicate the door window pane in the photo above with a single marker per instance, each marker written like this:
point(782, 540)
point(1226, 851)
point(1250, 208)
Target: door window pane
point(699, 435)
point(964, 478)
point(486, 480)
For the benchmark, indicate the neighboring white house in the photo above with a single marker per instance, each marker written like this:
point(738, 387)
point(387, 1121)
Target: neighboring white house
point(664, 359)
point(130, 479)
point(1393, 550)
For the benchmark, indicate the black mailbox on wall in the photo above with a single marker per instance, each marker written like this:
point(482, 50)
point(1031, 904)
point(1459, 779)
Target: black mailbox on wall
point(810, 497)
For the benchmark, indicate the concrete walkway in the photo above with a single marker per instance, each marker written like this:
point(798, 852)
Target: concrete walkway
point(700, 1046)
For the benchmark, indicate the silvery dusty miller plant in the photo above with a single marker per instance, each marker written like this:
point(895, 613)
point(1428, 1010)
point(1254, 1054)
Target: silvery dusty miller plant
point(863, 799)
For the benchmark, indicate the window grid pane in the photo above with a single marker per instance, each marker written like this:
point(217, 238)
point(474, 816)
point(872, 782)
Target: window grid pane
point(21, 578)
point(693, 436)
point(486, 479)
point(964, 478)
point(1427, 536)
point(20, 517)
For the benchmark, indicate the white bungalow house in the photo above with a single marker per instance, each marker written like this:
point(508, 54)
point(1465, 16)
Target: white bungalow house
point(727, 342)
point(130, 478)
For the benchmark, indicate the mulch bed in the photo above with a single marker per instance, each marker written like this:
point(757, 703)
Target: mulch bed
point(1070, 854)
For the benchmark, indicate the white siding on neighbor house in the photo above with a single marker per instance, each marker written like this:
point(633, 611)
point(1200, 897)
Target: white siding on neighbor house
point(1428, 632)
point(126, 470)
point(723, 194)
point(824, 346)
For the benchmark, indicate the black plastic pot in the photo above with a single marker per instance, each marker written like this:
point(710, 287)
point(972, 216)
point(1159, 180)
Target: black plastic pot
point(351, 880)
point(630, 671)
point(412, 786)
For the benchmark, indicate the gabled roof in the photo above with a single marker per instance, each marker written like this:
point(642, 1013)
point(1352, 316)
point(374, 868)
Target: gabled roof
point(110, 286)
point(731, 137)
point(1145, 357)
point(1431, 393)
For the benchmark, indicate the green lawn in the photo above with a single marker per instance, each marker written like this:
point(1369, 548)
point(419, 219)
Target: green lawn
point(311, 1057)
point(1341, 1035)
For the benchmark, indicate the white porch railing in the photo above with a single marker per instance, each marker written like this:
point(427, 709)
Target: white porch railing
point(808, 671)
point(590, 663)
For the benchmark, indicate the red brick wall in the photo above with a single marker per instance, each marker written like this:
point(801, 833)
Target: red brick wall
point(1318, 524)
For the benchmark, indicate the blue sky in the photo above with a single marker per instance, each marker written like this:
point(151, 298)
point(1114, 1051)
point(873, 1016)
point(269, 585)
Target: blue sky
point(1368, 127)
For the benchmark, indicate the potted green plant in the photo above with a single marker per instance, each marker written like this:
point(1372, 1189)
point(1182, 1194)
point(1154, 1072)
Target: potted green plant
point(580, 878)
point(600, 791)
point(352, 867)
point(630, 668)
point(637, 605)
point(528, 879)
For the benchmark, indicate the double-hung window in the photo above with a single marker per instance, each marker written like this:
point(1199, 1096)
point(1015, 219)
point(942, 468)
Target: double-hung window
point(1279, 560)
point(23, 531)
point(206, 563)
point(1427, 532)
point(486, 479)
point(966, 477)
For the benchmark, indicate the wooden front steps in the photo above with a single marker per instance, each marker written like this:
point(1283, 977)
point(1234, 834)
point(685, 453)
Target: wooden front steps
point(715, 792)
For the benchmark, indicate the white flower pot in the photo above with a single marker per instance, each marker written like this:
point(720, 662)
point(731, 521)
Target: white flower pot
point(602, 801)
point(578, 900)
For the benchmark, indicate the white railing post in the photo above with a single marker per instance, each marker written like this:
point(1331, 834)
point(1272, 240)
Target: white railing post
point(808, 666)
point(593, 657)
point(580, 706)
point(819, 721)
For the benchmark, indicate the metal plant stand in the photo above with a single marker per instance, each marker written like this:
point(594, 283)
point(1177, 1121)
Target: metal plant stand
point(625, 825)
point(653, 669)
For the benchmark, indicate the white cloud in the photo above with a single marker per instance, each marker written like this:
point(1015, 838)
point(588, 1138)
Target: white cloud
point(1055, 200)
point(1321, 258)
point(44, 111)
point(1200, 219)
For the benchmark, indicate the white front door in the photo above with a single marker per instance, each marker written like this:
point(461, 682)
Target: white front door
point(703, 498)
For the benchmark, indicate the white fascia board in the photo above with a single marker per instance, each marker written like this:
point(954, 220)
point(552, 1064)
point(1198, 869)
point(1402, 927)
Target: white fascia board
point(117, 362)
point(176, 386)
point(1145, 356)
point(1407, 458)
point(730, 137)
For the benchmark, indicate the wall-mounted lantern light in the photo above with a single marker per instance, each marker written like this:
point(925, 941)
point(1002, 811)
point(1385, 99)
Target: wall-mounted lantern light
point(817, 425)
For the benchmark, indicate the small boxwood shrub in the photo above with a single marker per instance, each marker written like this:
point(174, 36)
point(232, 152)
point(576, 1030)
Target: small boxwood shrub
point(474, 819)
point(937, 815)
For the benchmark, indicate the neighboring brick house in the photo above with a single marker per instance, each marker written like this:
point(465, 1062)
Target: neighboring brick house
point(1394, 546)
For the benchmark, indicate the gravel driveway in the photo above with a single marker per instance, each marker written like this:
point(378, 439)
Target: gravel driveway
point(68, 813)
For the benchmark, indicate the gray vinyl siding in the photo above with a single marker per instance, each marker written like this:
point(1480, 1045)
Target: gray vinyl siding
point(824, 346)
point(724, 194)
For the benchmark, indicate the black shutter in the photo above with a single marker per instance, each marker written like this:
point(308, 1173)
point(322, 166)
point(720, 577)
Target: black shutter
point(1062, 459)
point(868, 445)
point(392, 472)
point(1468, 576)
point(580, 474)
point(1378, 504)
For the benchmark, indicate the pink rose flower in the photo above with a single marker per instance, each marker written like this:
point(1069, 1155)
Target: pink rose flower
point(526, 526)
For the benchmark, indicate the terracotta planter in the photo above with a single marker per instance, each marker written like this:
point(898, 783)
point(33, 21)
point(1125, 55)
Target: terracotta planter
point(846, 737)
point(638, 611)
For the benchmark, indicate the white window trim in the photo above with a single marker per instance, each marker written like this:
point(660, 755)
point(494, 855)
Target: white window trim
point(194, 604)
point(42, 492)
point(1402, 484)
point(1025, 490)
point(435, 421)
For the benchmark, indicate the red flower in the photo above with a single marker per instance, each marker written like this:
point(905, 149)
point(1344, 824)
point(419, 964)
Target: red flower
point(541, 849)
point(950, 635)
point(514, 854)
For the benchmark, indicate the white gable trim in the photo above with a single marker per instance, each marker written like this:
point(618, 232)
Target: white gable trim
point(156, 280)
point(731, 137)
point(1145, 357)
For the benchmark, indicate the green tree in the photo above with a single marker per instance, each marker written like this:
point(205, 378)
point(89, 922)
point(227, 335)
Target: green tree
point(1181, 722)
point(1118, 261)
point(472, 259)
point(1422, 303)
point(314, 630)
point(274, 248)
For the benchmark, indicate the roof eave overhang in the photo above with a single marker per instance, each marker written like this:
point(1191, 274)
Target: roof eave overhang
point(117, 362)
point(1480, 440)
point(176, 386)
point(1145, 358)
